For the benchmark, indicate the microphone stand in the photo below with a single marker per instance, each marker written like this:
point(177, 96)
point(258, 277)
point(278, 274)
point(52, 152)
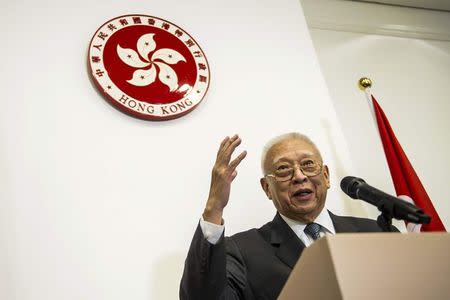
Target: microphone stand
point(384, 220)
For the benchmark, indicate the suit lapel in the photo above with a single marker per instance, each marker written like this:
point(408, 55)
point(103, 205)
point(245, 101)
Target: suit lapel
point(342, 224)
point(289, 245)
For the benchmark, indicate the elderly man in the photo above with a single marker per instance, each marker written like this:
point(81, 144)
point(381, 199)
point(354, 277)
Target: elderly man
point(256, 263)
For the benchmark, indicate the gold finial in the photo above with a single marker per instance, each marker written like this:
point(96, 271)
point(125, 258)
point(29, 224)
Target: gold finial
point(364, 83)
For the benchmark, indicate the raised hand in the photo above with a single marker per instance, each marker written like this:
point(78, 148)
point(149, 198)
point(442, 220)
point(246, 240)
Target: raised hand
point(223, 173)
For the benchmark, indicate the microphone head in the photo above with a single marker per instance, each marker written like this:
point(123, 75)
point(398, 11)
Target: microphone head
point(350, 184)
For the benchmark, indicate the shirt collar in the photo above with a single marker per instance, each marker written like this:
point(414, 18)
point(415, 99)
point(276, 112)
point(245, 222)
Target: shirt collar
point(323, 219)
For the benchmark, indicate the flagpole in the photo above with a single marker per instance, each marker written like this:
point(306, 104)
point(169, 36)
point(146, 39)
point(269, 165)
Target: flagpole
point(365, 84)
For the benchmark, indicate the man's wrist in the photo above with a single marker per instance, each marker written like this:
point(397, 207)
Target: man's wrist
point(213, 215)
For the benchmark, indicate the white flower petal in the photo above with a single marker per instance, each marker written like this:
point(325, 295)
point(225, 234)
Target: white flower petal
point(168, 56)
point(146, 44)
point(130, 57)
point(143, 77)
point(167, 76)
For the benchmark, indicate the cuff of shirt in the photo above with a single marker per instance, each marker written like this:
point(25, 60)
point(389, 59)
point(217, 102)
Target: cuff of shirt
point(212, 232)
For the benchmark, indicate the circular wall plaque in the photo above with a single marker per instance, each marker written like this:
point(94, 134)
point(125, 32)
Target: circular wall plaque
point(148, 67)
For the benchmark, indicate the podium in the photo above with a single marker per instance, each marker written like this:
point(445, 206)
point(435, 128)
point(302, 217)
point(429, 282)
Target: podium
point(378, 266)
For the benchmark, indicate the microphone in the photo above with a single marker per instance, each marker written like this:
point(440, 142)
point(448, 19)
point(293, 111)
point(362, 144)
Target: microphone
point(394, 207)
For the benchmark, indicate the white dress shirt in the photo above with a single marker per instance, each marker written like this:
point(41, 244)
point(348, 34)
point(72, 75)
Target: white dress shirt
point(212, 232)
point(323, 219)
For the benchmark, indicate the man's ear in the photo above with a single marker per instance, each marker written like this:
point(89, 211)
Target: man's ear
point(326, 174)
point(265, 187)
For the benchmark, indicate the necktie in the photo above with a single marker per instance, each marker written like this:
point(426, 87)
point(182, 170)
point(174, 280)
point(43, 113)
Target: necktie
point(313, 230)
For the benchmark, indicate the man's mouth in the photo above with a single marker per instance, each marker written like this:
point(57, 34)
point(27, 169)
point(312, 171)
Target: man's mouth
point(302, 194)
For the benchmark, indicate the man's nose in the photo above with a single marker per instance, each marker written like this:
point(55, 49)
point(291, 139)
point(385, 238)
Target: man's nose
point(298, 176)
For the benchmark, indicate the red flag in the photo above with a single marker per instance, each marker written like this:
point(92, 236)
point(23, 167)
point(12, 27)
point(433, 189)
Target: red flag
point(405, 179)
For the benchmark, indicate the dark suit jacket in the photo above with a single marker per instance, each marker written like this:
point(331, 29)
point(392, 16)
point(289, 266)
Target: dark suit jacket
point(253, 264)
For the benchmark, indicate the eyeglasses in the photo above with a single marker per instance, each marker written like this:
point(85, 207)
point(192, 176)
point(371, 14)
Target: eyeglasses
point(308, 166)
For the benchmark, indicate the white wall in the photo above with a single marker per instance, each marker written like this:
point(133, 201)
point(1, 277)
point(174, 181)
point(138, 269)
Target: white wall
point(98, 205)
point(406, 52)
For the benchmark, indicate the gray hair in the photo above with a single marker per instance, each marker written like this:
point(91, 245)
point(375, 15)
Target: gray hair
point(287, 136)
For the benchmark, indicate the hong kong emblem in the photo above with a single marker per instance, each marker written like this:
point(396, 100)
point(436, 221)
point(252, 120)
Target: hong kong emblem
point(148, 67)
